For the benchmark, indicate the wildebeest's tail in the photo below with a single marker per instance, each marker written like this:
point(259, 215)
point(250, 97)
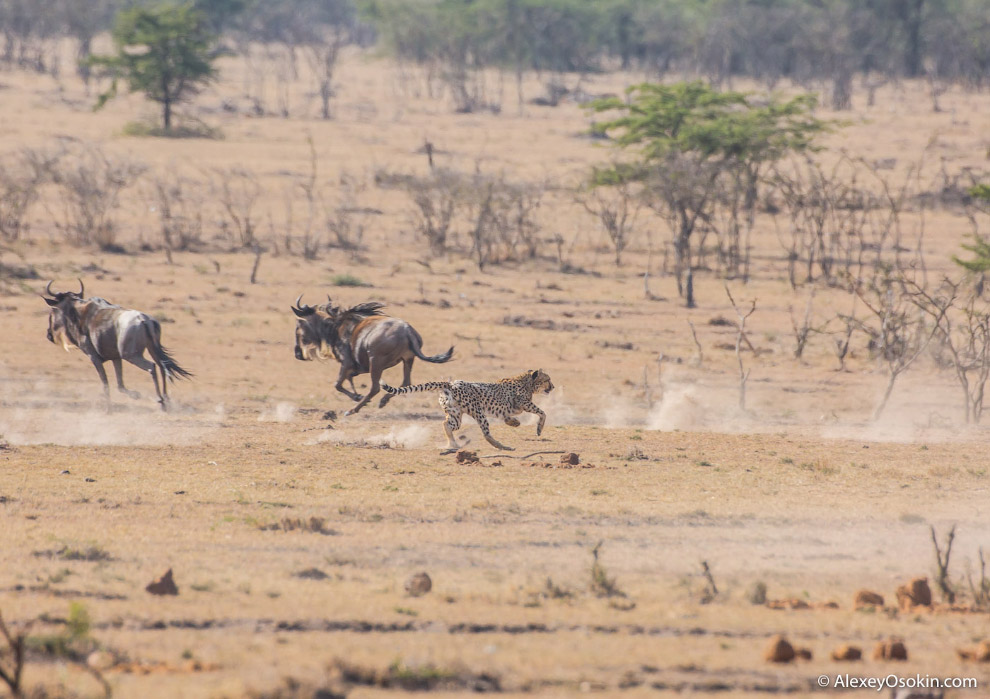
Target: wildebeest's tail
point(429, 386)
point(170, 368)
point(436, 359)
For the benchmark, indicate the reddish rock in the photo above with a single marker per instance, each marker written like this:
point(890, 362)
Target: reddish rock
point(847, 652)
point(163, 585)
point(867, 598)
point(779, 651)
point(916, 593)
point(979, 653)
point(419, 584)
point(891, 649)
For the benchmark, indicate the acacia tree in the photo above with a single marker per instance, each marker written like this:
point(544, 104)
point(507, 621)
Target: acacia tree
point(164, 52)
point(687, 139)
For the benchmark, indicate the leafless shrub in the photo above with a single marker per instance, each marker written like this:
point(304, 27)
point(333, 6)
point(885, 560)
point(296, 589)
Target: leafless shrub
point(942, 564)
point(322, 53)
point(804, 328)
point(238, 191)
point(845, 221)
point(345, 221)
point(980, 591)
point(178, 201)
point(500, 213)
point(616, 207)
point(22, 175)
point(899, 331)
point(12, 657)
point(91, 182)
point(962, 336)
point(740, 336)
point(601, 585)
point(435, 198)
point(711, 591)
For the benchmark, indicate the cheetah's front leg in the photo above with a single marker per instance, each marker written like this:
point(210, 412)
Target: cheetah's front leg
point(531, 408)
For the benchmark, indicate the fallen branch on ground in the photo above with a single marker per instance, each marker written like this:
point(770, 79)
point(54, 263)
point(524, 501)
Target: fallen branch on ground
point(512, 456)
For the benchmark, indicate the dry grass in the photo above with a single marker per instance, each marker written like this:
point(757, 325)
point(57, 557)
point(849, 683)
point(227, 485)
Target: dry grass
point(800, 492)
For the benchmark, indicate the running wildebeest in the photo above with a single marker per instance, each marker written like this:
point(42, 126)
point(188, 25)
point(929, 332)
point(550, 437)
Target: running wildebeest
point(105, 332)
point(364, 340)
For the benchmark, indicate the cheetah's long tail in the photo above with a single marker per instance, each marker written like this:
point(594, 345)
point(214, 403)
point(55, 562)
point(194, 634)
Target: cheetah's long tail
point(430, 386)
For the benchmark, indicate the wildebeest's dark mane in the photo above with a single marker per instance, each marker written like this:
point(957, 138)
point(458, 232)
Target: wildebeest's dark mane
point(364, 310)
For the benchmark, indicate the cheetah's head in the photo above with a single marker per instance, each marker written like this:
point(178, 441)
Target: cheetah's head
point(541, 381)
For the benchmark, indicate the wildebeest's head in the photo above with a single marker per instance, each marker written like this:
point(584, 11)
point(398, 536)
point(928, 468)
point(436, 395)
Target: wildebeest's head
point(541, 381)
point(62, 319)
point(315, 328)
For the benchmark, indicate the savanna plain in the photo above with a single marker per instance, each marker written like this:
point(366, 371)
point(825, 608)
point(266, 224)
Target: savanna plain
point(291, 529)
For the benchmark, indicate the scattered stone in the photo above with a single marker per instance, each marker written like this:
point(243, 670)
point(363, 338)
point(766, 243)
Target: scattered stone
point(847, 652)
point(979, 653)
point(91, 480)
point(64, 473)
point(891, 649)
point(570, 458)
point(467, 457)
point(916, 593)
point(804, 653)
point(867, 598)
point(163, 585)
point(419, 584)
point(779, 651)
point(101, 660)
point(828, 605)
point(792, 603)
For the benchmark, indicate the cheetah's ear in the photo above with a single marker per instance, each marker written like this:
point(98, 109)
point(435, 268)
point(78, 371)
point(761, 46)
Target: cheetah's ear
point(535, 373)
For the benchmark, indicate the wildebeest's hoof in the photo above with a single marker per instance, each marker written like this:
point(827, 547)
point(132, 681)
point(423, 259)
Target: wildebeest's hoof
point(352, 411)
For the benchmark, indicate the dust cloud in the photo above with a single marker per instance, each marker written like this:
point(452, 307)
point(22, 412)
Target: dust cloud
point(281, 412)
point(37, 411)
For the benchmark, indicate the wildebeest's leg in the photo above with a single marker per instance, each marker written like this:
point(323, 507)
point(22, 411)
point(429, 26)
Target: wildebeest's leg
point(483, 424)
point(98, 363)
point(376, 375)
point(531, 408)
point(118, 369)
point(346, 374)
point(141, 363)
point(406, 379)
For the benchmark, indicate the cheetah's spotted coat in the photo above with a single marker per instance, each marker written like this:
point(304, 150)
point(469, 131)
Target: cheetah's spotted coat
point(502, 400)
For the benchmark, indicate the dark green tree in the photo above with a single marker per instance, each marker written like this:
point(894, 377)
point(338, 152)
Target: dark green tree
point(164, 52)
point(688, 139)
point(980, 263)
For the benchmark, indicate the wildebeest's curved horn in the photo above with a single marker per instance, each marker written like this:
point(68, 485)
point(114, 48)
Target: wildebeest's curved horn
point(48, 289)
point(298, 300)
point(80, 288)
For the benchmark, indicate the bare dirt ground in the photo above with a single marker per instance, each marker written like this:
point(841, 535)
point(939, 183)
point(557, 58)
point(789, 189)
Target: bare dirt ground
point(800, 491)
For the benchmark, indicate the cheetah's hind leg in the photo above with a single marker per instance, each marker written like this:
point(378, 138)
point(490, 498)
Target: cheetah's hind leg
point(512, 422)
point(483, 424)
